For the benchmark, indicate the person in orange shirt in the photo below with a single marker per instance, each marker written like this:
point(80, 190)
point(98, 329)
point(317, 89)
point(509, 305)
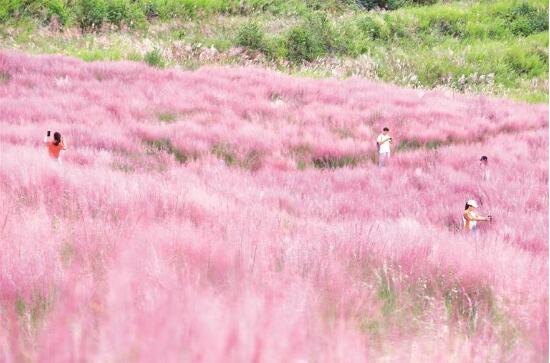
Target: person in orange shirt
point(55, 146)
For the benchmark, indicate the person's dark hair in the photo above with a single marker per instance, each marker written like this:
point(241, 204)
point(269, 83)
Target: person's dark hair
point(56, 138)
point(483, 158)
point(386, 129)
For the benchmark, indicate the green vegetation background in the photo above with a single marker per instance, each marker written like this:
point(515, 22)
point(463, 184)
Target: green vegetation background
point(495, 47)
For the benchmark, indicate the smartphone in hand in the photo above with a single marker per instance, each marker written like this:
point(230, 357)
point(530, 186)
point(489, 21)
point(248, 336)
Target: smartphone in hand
point(49, 133)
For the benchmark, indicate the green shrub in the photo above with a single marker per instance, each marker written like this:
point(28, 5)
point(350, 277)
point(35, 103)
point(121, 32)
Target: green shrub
point(524, 62)
point(396, 27)
point(150, 8)
point(251, 36)
point(118, 11)
point(450, 22)
point(525, 19)
point(137, 19)
point(59, 9)
point(154, 58)
point(301, 45)
point(349, 40)
point(9, 9)
point(91, 14)
point(311, 39)
point(170, 9)
point(276, 47)
point(14, 9)
point(370, 27)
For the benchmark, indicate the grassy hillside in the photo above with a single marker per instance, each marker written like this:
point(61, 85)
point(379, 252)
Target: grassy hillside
point(497, 47)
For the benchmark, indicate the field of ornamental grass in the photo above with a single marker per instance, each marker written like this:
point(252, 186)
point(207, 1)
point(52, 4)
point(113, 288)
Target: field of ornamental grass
point(238, 215)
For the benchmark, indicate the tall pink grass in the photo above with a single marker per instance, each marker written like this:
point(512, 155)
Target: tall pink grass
point(243, 249)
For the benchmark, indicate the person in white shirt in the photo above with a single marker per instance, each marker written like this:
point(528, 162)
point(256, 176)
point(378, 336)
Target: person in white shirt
point(484, 166)
point(383, 142)
point(470, 217)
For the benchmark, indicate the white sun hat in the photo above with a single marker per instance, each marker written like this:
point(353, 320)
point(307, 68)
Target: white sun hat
point(472, 203)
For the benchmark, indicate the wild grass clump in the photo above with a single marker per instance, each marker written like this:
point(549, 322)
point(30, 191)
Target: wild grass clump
point(5, 77)
point(166, 146)
point(167, 117)
point(335, 162)
point(406, 145)
point(154, 58)
point(250, 160)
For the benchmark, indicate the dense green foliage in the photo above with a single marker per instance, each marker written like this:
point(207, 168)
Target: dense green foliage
point(498, 47)
point(251, 36)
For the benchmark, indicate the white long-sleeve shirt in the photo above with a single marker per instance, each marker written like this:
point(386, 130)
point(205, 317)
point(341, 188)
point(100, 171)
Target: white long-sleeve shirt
point(384, 142)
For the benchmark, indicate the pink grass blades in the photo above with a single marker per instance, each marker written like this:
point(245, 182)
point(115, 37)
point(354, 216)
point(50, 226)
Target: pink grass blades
point(239, 215)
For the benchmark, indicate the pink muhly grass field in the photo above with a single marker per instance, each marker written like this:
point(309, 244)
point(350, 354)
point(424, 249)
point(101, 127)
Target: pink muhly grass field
point(238, 215)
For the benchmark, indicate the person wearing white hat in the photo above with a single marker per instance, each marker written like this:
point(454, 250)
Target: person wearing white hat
point(470, 217)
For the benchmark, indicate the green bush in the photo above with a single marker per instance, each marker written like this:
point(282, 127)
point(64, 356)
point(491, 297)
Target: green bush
point(311, 39)
point(302, 45)
point(447, 22)
point(59, 9)
point(137, 19)
point(118, 11)
point(275, 47)
point(349, 40)
point(9, 9)
point(521, 61)
point(154, 58)
point(370, 27)
point(322, 29)
point(169, 9)
point(91, 14)
point(14, 9)
point(526, 19)
point(251, 36)
point(150, 8)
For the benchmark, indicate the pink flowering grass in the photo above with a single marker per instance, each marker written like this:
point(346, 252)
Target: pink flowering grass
point(238, 215)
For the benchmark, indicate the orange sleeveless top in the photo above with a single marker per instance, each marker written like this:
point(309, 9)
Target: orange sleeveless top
point(53, 149)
